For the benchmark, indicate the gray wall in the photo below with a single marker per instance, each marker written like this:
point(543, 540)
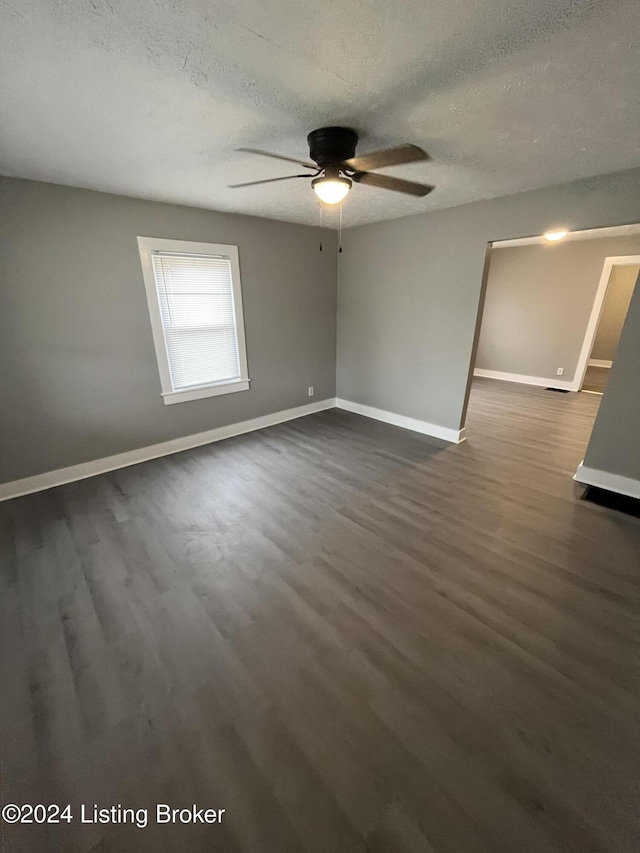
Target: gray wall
point(538, 303)
point(409, 290)
point(615, 441)
point(614, 311)
point(78, 374)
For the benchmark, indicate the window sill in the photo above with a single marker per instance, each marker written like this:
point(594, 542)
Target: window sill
point(205, 391)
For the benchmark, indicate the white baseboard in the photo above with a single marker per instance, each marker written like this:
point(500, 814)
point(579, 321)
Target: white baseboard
point(563, 384)
point(143, 454)
point(445, 433)
point(605, 480)
point(599, 362)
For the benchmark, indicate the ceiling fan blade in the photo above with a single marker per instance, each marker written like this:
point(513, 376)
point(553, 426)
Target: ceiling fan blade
point(267, 181)
point(386, 182)
point(278, 157)
point(389, 157)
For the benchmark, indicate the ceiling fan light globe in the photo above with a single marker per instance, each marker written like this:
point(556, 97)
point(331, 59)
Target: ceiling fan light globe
point(331, 190)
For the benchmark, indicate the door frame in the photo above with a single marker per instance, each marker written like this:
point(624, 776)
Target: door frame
point(596, 313)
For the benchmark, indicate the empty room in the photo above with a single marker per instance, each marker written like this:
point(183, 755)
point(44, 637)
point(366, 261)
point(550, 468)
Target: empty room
point(319, 427)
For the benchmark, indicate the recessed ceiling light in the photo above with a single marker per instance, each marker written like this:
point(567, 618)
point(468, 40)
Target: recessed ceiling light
point(553, 236)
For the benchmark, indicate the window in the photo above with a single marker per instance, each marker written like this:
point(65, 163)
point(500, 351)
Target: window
point(195, 303)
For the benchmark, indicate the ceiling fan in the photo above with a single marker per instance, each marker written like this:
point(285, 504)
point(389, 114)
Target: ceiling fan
point(335, 166)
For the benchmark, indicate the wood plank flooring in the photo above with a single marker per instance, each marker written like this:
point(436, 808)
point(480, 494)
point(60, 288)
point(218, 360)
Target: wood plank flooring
point(348, 636)
point(596, 378)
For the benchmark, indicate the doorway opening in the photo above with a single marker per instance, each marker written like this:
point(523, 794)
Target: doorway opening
point(545, 321)
point(617, 283)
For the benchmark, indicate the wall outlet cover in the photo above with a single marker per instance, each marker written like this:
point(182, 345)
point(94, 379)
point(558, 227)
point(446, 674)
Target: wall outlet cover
point(311, 390)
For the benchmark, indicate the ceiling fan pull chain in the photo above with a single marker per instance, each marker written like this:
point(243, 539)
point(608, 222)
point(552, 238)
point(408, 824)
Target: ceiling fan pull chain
point(320, 227)
point(340, 231)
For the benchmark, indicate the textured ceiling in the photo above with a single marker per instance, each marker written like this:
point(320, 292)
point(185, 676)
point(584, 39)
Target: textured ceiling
point(150, 98)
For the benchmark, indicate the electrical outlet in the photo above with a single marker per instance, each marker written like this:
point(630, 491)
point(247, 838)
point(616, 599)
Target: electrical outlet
point(311, 390)
point(560, 371)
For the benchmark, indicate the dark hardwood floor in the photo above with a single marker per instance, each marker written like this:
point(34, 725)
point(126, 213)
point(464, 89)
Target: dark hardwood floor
point(348, 636)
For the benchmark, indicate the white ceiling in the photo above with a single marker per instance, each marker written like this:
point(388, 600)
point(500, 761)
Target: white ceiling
point(150, 98)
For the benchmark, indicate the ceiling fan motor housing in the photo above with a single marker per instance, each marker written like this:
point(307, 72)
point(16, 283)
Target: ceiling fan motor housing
point(329, 146)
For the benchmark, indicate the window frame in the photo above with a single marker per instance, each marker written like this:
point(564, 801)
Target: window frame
point(147, 246)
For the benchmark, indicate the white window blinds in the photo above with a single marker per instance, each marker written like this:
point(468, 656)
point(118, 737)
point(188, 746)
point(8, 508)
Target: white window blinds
point(196, 300)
